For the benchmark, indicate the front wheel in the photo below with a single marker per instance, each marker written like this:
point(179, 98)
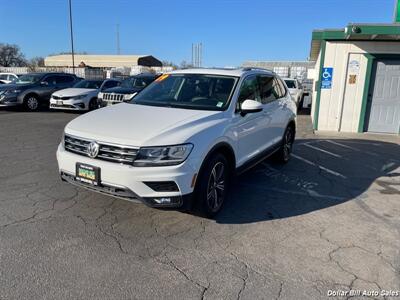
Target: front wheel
point(31, 103)
point(93, 104)
point(284, 152)
point(213, 185)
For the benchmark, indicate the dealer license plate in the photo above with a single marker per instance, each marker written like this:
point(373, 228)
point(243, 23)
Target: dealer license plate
point(88, 174)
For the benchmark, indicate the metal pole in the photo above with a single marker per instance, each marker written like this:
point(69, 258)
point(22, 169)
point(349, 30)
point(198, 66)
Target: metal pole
point(72, 37)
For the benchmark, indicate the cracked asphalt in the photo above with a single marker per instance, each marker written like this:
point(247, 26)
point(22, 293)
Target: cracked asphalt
point(328, 220)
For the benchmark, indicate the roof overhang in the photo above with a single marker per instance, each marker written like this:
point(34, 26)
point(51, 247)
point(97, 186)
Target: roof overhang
point(354, 32)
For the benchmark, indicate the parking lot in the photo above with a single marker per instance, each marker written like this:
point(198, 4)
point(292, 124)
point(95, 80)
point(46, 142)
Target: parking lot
point(328, 220)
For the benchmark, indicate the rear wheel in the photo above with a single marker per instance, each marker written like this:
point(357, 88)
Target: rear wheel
point(213, 186)
point(31, 103)
point(283, 154)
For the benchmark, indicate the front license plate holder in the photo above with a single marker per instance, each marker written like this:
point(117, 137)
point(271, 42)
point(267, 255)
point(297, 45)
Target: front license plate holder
point(88, 174)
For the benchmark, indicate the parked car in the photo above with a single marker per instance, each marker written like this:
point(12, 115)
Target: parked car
point(180, 141)
point(296, 90)
point(127, 90)
point(82, 96)
point(34, 89)
point(7, 77)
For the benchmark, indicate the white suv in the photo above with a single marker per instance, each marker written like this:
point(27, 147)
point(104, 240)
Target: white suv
point(180, 140)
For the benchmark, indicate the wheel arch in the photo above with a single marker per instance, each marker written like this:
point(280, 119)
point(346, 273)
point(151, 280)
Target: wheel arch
point(224, 148)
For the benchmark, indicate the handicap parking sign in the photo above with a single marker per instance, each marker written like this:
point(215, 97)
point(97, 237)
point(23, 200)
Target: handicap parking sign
point(326, 78)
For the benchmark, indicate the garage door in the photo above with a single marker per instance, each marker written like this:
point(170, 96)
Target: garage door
point(384, 98)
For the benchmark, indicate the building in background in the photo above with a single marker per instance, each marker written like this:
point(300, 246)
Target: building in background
point(357, 78)
point(292, 69)
point(102, 61)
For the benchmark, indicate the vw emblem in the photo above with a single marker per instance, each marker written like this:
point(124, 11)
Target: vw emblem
point(93, 149)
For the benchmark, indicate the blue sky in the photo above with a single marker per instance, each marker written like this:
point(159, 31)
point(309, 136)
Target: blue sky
point(231, 31)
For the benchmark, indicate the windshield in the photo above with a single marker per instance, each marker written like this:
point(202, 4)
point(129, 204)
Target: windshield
point(290, 84)
point(136, 82)
point(29, 78)
point(190, 91)
point(88, 84)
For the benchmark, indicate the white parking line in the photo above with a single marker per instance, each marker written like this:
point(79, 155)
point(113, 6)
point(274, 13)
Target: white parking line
point(349, 147)
point(321, 150)
point(319, 166)
point(307, 192)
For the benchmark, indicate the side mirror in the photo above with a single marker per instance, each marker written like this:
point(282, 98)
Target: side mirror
point(44, 83)
point(250, 106)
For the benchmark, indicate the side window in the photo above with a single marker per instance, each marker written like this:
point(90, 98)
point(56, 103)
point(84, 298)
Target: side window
point(3, 77)
point(268, 90)
point(51, 80)
point(249, 90)
point(65, 79)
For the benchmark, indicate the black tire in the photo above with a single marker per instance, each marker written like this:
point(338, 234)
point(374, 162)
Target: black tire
point(212, 186)
point(93, 104)
point(31, 103)
point(284, 152)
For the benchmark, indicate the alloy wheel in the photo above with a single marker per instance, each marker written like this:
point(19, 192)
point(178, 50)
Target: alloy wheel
point(32, 103)
point(216, 187)
point(288, 144)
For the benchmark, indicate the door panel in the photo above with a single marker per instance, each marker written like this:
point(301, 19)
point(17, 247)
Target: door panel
point(384, 98)
point(249, 128)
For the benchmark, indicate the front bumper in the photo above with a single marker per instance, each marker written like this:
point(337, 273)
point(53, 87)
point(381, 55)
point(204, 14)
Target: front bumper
point(9, 100)
point(128, 182)
point(69, 104)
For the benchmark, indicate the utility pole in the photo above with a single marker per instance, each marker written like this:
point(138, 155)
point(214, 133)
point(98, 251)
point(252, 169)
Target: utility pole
point(192, 54)
point(72, 37)
point(118, 47)
point(397, 11)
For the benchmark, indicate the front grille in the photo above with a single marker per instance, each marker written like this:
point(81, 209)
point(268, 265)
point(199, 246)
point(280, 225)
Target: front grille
point(61, 98)
point(110, 152)
point(113, 97)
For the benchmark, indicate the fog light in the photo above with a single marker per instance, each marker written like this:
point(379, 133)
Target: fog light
point(162, 200)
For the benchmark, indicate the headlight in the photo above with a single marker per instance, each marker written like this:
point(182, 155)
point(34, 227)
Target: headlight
point(100, 95)
point(128, 96)
point(80, 97)
point(162, 156)
point(63, 140)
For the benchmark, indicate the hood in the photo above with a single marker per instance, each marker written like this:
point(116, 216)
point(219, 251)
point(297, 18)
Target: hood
point(140, 125)
point(71, 92)
point(122, 90)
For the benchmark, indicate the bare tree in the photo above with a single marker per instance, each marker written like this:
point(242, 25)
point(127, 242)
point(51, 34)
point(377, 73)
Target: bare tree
point(167, 63)
point(37, 61)
point(11, 56)
point(185, 65)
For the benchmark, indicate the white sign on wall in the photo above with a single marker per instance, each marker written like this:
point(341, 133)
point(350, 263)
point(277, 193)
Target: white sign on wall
point(354, 66)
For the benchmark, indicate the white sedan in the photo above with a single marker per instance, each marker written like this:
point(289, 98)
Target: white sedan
point(7, 77)
point(82, 96)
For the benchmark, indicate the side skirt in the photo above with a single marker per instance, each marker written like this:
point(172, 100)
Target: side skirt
point(258, 158)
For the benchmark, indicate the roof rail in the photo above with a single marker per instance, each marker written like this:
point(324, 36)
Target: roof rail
point(256, 68)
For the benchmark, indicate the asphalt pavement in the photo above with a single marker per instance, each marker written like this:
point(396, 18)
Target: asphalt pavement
point(327, 221)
